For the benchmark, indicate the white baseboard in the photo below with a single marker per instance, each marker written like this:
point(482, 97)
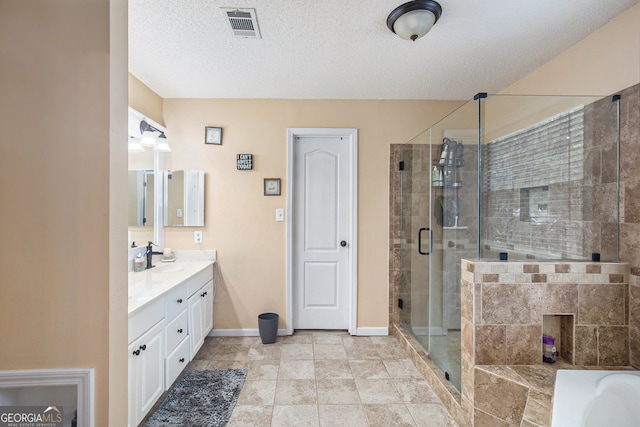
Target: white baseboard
point(281, 332)
point(240, 332)
point(371, 332)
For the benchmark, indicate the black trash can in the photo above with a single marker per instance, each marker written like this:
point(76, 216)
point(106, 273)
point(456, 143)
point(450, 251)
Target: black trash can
point(268, 327)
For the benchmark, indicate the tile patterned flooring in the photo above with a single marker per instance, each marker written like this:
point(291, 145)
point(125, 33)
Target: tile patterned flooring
point(318, 378)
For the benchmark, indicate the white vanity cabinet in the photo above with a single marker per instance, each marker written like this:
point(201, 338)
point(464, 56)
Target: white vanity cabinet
point(146, 360)
point(200, 315)
point(176, 307)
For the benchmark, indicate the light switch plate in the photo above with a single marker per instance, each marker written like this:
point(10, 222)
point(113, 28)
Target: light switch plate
point(279, 215)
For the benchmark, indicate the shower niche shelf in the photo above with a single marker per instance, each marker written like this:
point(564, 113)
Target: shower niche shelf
point(446, 184)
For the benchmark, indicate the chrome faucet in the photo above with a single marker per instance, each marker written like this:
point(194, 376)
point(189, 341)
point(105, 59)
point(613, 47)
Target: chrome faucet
point(150, 253)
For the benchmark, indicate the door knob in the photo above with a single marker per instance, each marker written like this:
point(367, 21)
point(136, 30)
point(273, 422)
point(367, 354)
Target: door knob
point(343, 243)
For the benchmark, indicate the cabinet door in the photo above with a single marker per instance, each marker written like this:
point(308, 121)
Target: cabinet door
point(150, 365)
point(134, 410)
point(207, 309)
point(195, 323)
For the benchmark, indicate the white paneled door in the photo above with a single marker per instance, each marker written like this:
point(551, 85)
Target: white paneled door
point(323, 185)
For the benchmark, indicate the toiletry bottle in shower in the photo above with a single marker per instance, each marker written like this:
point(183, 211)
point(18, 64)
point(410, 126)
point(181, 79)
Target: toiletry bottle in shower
point(443, 156)
point(549, 348)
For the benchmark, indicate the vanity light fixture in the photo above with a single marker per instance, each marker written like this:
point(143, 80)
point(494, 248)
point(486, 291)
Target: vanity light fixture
point(149, 138)
point(147, 131)
point(163, 144)
point(414, 19)
point(134, 145)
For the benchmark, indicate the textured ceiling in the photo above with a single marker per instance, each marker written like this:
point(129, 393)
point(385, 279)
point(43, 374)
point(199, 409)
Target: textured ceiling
point(342, 49)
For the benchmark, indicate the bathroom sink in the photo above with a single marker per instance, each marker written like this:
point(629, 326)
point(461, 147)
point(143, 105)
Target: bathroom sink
point(168, 268)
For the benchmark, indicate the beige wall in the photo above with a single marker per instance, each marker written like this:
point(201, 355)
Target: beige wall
point(118, 285)
point(602, 63)
point(144, 100)
point(240, 221)
point(57, 81)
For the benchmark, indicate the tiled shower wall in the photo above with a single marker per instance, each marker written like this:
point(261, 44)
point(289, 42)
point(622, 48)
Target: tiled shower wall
point(505, 304)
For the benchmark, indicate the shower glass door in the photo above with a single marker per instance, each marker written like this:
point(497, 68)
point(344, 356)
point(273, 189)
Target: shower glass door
point(414, 180)
point(454, 224)
point(439, 227)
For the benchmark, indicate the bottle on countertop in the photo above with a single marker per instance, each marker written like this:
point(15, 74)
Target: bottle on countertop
point(138, 263)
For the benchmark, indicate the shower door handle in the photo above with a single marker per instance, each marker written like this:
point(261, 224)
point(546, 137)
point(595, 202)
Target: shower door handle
point(420, 240)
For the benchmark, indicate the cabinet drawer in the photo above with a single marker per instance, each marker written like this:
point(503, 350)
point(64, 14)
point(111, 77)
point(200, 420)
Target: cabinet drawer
point(176, 331)
point(176, 362)
point(145, 318)
point(199, 279)
point(176, 301)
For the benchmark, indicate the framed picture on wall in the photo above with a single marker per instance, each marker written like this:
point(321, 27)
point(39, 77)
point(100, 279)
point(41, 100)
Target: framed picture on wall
point(212, 135)
point(272, 186)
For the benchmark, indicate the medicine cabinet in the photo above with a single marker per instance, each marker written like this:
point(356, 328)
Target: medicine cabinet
point(184, 198)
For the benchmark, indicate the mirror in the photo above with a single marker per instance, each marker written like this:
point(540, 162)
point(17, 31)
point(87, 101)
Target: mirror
point(141, 198)
point(144, 201)
point(184, 198)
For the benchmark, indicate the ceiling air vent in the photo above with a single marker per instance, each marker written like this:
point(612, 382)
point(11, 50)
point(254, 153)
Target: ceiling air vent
point(243, 22)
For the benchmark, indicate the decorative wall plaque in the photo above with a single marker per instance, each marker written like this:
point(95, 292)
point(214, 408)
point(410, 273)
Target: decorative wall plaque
point(244, 162)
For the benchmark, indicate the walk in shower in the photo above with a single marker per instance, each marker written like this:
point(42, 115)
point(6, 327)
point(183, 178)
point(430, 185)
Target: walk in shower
point(501, 177)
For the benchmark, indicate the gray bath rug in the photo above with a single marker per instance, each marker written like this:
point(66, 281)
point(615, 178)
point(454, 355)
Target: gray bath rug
point(200, 399)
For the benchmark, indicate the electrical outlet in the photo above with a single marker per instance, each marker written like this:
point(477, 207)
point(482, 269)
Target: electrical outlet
point(197, 236)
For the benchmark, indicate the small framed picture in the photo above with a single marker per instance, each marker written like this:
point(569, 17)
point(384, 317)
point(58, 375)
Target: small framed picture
point(272, 186)
point(212, 135)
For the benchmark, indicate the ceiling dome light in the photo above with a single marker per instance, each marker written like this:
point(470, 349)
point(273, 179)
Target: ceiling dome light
point(414, 19)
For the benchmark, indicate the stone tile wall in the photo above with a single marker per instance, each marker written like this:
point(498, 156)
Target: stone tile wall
point(504, 305)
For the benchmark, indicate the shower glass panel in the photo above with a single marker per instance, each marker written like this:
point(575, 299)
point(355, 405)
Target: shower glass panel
point(521, 177)
point(550, 177)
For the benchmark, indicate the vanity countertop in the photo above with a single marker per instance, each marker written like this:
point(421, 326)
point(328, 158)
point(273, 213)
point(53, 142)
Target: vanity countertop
point(145, 286)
